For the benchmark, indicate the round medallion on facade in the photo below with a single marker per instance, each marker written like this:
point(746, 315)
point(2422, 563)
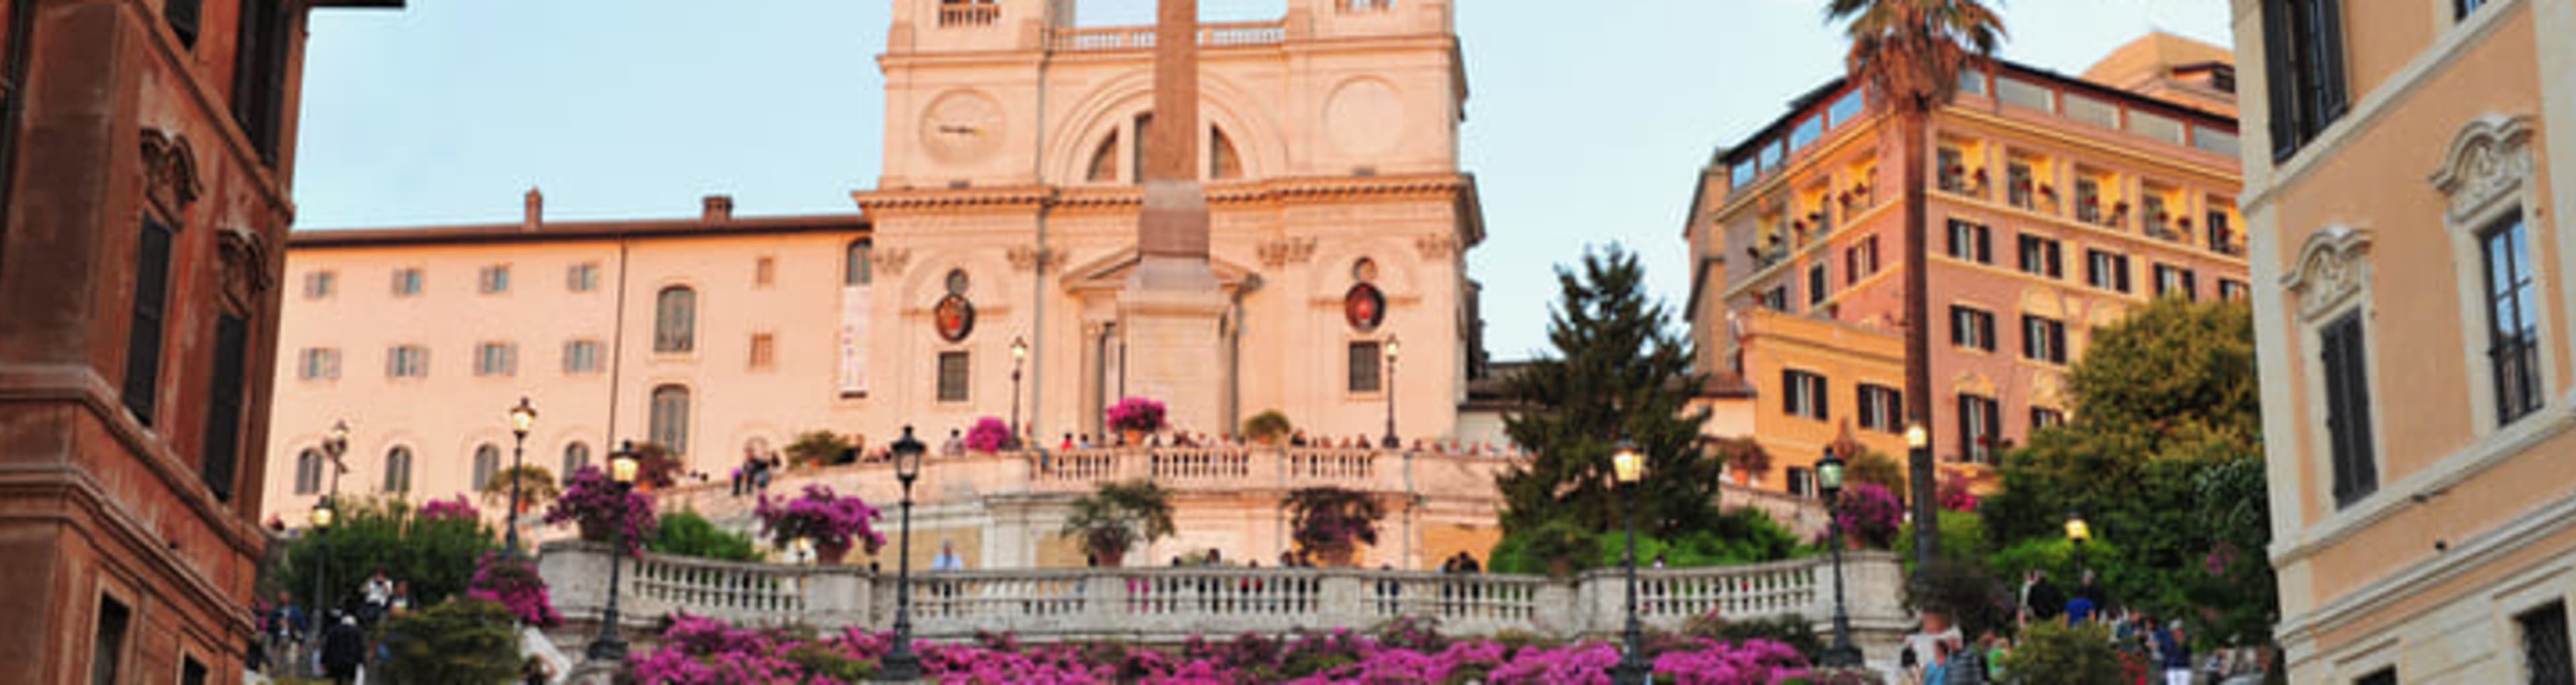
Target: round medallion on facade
point(962, 126)
point(1364, 117)
point(1364, 307)
point(955, 317)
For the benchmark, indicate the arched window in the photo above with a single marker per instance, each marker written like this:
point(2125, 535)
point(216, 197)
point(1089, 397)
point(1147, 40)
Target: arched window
point(487, 463)
point(1223, 162)
point(1104, 161)
point(398, 470)
point(1136, 150)
point(675, 320)
point(308, 472)
point(856, 269)
point(576, 456)
point(670, 419)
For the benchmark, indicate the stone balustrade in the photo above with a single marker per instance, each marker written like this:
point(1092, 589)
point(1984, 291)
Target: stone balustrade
point(1214, 35)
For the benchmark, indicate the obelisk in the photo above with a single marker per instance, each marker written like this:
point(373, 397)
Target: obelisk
point(1170, 309)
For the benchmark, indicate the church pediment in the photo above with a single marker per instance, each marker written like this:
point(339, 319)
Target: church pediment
point(1109, 274)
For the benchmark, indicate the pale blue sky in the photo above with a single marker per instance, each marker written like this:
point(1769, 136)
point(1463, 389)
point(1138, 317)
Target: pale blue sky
point(1587, 121)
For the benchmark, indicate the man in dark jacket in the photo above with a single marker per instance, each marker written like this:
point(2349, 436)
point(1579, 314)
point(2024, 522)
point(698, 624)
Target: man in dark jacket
point(344, 646)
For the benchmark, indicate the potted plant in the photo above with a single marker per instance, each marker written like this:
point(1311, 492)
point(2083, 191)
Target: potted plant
point(988, 436)
point(536, 484)
point(832, 523)
point(1136, 417)
point(1119, 517)
point(1869, 515)
point(596, 505)
point(816, 448)
point(1331, 523)
point(513, 583)
point(655, 467)
point(1267, 427)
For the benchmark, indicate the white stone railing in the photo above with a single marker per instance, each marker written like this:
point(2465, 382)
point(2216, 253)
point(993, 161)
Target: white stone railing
point(653, 585)
point(1217, 35)
point(969, 14)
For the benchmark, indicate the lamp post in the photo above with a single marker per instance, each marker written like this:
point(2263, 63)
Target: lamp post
point(1829, 478)
point(1391, 441)
point(1630, 468)
point(611, 645)
point(2077, 533)
point(1919, 479)
point(1019, 353)
point(522, 418)
point(334, 444)
point(901, 664)
point(322, 515)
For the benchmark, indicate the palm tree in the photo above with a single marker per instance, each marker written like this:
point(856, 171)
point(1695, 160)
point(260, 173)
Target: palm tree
point(1909, 53)
point(1119, 517)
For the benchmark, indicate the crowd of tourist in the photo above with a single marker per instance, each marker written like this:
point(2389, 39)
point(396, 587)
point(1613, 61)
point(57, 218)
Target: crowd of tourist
point(347, 642)
point(2162, 644)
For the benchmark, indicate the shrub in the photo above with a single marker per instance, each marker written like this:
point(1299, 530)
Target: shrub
point(830, 520)
point(536, 484)
point(1332, 523)
point(435, 554)
point(685, 533)
point(1974, 600)
point(1793, 630)
point(1878, 469)
point(1118, 517)
point(464, 641)
point(1267, 425)
point(1963, 536)
point(595, 503)
point(2052, 653)
point(1869, 513)
point(457, 508)
point(513, 583)
point(816, 448)
point(989, 435)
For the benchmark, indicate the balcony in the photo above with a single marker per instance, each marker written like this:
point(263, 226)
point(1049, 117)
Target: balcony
point(1221, 35)
point(969, 14)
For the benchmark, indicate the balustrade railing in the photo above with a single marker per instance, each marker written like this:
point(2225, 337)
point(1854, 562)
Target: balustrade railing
point(715, 588)
point(969, 14)
point(1218, 35)
point(1308, 466)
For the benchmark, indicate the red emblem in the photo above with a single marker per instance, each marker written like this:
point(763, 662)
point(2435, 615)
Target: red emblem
point(1364, 307)
point(955, 318)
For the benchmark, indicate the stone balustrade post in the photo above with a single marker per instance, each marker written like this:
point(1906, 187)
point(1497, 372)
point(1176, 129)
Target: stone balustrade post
point(839, 596)
point(1342, 599)
point(1104, 599)
point(576, 575)
point(1559, 608)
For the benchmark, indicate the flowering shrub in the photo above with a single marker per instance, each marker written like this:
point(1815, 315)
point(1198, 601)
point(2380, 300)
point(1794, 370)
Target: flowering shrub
point(1956, 497)
point(989, 435)
point(1332, 522)
point(513, 583)
point(829, 520)
point(1136, 414)
point(598, 505)
point(457, 508)
point(1869, 513)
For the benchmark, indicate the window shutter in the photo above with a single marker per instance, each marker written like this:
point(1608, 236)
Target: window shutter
point(1789, 392)
point(224, 409)
point(2279, 81)
point(143, 334)
point(1822, 397)
point(2332, 92)
point(1986, 332)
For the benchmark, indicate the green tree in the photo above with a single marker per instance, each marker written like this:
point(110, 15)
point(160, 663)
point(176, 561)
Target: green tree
point(687, 534)
point(1269, 425)
point(1908, 54)
point(1119, 517)
point(816, 448)
point(436, 556)
point(2164, 461)
point(1332, 523)
point(1871, 467)
point(2051, 653)
point(1620, 371)
point(536, 487)
point(463, 641)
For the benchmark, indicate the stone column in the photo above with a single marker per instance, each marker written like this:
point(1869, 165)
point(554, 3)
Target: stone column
point(1171, 308)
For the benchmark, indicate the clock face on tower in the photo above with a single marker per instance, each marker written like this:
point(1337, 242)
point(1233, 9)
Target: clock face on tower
point(962, 126)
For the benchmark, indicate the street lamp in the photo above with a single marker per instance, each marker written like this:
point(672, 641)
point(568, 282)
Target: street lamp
point(322, 515)
point(901, 664)
point(1019, 353)
point(1829, 478)
point(1391, 441)
point(611, 645)
point(334, 444)
point(1630, 468)
point(2077, 533)
point(1919, 479)
point(522, 418)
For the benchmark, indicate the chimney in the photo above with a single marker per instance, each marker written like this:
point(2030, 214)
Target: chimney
point(716, 208)
point(536, 210)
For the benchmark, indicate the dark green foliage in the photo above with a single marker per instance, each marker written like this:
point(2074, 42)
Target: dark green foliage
point(2051, 653)
point(1975, 600)
point(821, 660)
point(1793, 630)
point(1963, 536)
point(463, 641)
point(687, 534)
point(1871, 467)
point(436, 555)
point(1620, 370)
point(1119, 517)
point(1267, 425)
point(1741, 536)
point(1332, 523)
point(816, 448)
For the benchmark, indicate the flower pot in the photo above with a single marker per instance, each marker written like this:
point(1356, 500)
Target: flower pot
point(1336, 558)
point(831, 554)
point(595, 531)
point(1135, 438)
point(1108, 558)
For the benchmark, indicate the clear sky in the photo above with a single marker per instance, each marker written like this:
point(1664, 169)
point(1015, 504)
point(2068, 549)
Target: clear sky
point(1587, 121)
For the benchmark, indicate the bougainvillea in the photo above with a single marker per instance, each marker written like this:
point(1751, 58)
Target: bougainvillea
point(513, 583)
point(457, 508)
point(591, 500)
point(1333, 522)
point(827, 519)
point(1955, 496)
point(1136, 414)
point(1869, 513)
point(989, 435)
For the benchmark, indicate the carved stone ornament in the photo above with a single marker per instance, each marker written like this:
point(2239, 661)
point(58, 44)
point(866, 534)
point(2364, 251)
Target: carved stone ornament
point(2489, 161)
point(2333, 264)
point(891, 260)
point(1436, 246)
point(1286, 251)
point(169, 170)
point(1027, 257)
point(245, 259)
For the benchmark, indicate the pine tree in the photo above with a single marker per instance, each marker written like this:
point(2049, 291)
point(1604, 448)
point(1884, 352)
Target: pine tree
point(1620, 371)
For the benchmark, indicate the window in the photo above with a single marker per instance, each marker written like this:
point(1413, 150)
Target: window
point(581, 356)
point(1860, 260)
point(1969, 242)
point(669, 420)
point(1802, 482)
point(1879, 408)
point(1776, 298)
point(575, 456)
point(954, 376)
point(2025, 93)
point(2545, 658)
point(2043, 339)
point(2018, 185)
point(2091, 110)
point(764, 272)
point(1954, 172)
point(2043, 417)
point(398, 470)
point(582, 278)
point(2460, 9)
point(150, 311)
point(317, 363)
point(487, 463)
point(2040, 257)
point(2347, 389)
point(259, 73)
point(496, 359)
point(1104, 160)
point(493, 279)
point(1816, 283)
point(2384, 676)
point(1980, 431)
point(856, 269)
point(675, 320)
point(1972, 328)
point(191, 672)
point(181, 15)
point(319, 284)
point(1223, 161)
point(2513, 337)
point(2088, 201)
point(407, 361)
point(1852, 103)
point(2303, 60)
point(2232, 290)
point(2159, 219)
point(2106, 270)
point(406, 281)
point(2222, 236)
point(224, 405)
point(107, 645)
point(764, 350)
point(2174, 280)
point(1803, 394)
point(1806, 132)
point(1365, 374)
point(308, 471)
